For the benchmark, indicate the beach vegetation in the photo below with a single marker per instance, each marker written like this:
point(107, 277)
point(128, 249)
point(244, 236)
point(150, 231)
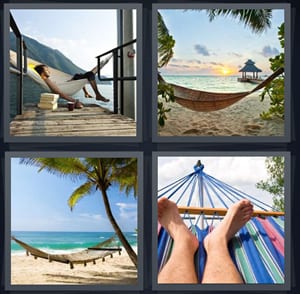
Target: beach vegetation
point(275, 90)
point(275, 183)
point(166, 44)
point(258, 20)
point(97, 174)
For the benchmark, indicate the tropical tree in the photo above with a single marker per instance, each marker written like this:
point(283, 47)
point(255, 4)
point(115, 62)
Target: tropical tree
point(258, 20)
point(275, 90)
point(275, 183)
point(165, 51)
point(96, 174)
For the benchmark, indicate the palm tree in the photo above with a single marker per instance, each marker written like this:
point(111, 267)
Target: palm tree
point(166, 42)
point(97, 174)
point(258, 20)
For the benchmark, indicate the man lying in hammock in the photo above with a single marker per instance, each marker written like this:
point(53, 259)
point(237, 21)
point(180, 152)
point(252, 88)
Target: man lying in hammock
point(44, 72)
point(219, 267)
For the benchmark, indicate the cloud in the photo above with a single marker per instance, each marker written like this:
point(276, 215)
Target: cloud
point(89, 216)
point(216, 63)
point(267, 51)
point(201, 49)
point(236, 54)
point(127, 215)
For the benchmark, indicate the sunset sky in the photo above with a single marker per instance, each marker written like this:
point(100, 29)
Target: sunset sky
point(219, 47)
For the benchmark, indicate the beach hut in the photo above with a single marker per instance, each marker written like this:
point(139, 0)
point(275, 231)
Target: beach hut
point(249, 68)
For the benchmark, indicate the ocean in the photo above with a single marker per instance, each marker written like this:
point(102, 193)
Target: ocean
point(66, 242)
point(210, 83)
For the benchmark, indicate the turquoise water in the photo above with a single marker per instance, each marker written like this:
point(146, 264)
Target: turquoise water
point(59, 242)
point(210, 83)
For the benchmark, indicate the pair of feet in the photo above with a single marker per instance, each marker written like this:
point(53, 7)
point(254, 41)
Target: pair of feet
point(236, 217)
point(99, 97)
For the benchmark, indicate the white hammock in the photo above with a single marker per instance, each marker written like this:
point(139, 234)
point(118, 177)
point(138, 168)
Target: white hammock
point(61, 79)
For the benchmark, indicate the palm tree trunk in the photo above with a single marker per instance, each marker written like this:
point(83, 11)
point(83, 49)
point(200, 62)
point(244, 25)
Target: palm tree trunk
point(129, 250)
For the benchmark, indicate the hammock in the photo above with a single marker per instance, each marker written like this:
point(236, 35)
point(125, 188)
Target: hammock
point(83, 257)
point(61, 79)
point(198, 100)
point(257, 249)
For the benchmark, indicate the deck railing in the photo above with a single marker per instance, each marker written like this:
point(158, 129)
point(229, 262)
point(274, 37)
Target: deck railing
point(21, 65)
point(118, 74)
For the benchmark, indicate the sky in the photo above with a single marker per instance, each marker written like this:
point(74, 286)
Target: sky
point(220, 47)
point(241, 172)
point(39, 203)
point(80, 35)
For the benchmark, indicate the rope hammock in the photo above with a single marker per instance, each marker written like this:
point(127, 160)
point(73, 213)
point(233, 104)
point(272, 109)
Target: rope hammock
point(83, 257)
point(61, 79)
point(198, 100)
point(257, 250)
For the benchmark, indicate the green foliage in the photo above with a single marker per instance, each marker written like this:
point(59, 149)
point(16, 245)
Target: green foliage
point(275, 183)
point(165, 43)
point(275, 90)
point(166, 93)
point(258, 20)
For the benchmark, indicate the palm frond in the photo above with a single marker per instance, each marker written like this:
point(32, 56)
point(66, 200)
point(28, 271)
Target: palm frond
point(79, 193)
point(125, 174)
point(258, 20)
point(166, 42)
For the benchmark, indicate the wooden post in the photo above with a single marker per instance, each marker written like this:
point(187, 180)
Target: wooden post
point(223, 211)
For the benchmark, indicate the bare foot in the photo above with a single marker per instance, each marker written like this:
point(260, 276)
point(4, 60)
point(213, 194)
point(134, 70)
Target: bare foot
point(236, 217)
point(170, 219)
point(88, 95)
point(101, 98)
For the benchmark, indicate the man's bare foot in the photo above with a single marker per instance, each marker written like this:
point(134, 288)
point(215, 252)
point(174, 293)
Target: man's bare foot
point(170, 219)
point(88, 95)
point(236, 217)
point(101, 98)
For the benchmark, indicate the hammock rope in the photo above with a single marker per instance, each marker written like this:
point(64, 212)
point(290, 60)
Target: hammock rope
point(199, 100)
point(257, 249)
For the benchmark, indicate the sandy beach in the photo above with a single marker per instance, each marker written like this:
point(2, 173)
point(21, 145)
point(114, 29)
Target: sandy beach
point(240, 119)
point(25, 270)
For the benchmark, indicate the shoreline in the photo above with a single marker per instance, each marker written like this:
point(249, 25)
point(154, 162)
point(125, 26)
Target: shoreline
point(26, 270)
point(240, 119)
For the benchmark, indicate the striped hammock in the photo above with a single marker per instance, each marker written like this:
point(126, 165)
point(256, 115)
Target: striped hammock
point(257, 250)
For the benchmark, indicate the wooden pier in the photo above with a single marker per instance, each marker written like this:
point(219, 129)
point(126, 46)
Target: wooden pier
point(89, 121)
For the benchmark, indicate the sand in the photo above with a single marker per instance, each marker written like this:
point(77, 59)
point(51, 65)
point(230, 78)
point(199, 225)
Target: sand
point(240, 119)
point(25, 270)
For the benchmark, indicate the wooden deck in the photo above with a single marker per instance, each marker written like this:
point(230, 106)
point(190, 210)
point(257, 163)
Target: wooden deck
point(89, 121)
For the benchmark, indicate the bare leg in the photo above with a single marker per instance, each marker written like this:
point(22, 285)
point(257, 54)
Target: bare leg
point(219, 268)
point(86, 93)
point(180, 267)
point(98, 95)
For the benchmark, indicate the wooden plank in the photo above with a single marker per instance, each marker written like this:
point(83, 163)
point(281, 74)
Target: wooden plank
point(223, 211)
point(97, 133)
point(89, 121)
point(79, 121)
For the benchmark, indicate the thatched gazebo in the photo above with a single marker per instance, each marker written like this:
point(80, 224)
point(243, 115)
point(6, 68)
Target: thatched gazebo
point(249, 67)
